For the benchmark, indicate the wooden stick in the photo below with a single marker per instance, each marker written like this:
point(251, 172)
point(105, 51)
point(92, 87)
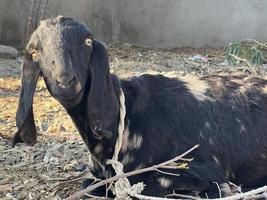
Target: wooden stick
point(255, 41)
point(246, 194)
point(43, 10)
point(117, 177)
point(253, 194)
point(143, 197)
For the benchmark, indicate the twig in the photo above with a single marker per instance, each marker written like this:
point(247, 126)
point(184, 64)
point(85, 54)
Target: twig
point(22, 164)
point(43, 10)
point(174, 167)
point(117, 177)
point(187, 159)
point(97, 198)
point(235, 188)
point(71, 180)
point(50, 189)
point(182, 196)
point(240, 59)
point(143, 197)
point(29, 26)
point(255, 41)
point(258, 196)
point(107, 189)
point(243, 60)
point(79, 176)
point(220, 192)
point(167, 173)
point(246, 195)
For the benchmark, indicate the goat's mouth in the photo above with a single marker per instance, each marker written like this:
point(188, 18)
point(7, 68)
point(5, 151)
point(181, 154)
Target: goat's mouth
point(69, 102)
point(68, 99)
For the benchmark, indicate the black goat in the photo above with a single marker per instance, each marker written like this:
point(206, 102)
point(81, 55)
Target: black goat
point(226, 115)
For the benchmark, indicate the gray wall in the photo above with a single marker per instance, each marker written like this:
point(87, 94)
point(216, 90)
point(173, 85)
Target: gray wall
point(12, 23)
point(160, 23)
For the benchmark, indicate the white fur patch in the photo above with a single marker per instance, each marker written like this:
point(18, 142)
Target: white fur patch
point(196, 86)
point(201, 134)
point(243, 86)
point(127, 159)
point(243, 129)
point(125, 139)
point(135, 142)
point(98, 148)
point(238, 120)
point(164, 182)
point(207, 125)
point(211, 141)
point(139, 167)
point(216, 160)
point(263, 156)
point(264, 90)
point(130, 144)
point(257, 140)
point(171, 74)
point(229, 173)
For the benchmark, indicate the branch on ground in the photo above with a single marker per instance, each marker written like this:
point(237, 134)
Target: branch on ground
point(163, 165)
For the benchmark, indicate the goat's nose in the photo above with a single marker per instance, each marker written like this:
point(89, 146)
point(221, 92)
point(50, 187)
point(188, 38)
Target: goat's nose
point(66, 80)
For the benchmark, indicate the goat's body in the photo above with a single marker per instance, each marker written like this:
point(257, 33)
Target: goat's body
point(165, 119)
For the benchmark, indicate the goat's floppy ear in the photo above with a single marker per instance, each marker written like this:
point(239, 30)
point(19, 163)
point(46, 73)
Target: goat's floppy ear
point(24, 118)
point(103, 105)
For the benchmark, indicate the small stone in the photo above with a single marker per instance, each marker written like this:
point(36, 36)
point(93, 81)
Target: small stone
point(30, 196)
point(58, 147)
point(8, 195)
point(80, 167)
point(20, 59)
point(8, 52)
point(45, 126)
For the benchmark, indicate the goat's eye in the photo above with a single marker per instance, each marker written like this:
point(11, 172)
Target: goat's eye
point(88, 42)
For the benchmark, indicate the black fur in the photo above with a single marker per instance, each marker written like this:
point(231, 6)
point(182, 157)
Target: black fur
point(24, 117)
point(163, 116)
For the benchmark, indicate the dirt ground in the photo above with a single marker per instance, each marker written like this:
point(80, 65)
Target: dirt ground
point(53, 168)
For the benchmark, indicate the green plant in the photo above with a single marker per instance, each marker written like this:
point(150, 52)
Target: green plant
point(249, 51)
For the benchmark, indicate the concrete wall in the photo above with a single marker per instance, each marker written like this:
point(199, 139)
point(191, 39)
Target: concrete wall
point(160, 23)
point(12, 21)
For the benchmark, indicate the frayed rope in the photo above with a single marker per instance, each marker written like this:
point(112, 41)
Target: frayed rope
point(122, 187)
